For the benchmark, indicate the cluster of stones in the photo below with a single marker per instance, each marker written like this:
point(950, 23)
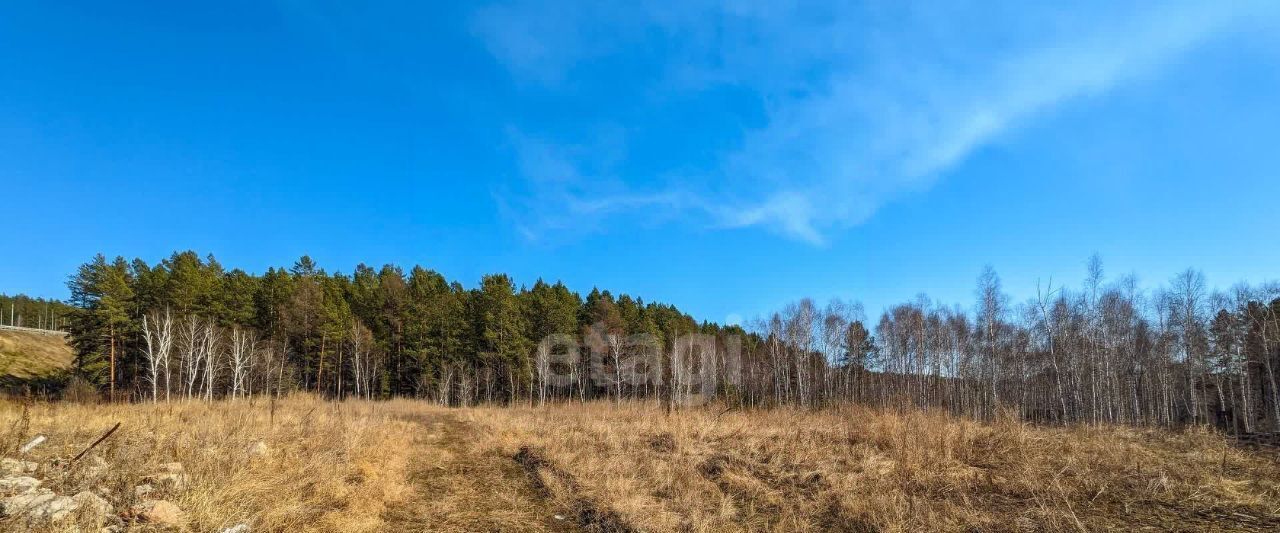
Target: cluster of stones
point(23, 497)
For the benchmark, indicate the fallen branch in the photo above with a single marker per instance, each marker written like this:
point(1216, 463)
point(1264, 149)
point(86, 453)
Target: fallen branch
point(95, 443)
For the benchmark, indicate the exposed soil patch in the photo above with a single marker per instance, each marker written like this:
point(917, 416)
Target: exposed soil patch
point(781, 499)
point(549, 479)
point(462, 487)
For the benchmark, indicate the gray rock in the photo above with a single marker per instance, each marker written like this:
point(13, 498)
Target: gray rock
point(12, 485)
point(143, 490)
point(57, 509)
point(43, 505)
point(39, 505)
point(16, 505)
point(238, 528)
point(10, 466)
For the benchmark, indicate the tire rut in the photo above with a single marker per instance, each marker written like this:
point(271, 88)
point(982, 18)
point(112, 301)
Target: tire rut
point(591, 515)
point(462, 486)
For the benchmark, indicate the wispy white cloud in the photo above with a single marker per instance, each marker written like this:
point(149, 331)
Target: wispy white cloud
point(569, 188)
point(862, 105)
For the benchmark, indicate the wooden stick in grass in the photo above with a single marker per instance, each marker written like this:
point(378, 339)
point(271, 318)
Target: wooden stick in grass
point(95, 443)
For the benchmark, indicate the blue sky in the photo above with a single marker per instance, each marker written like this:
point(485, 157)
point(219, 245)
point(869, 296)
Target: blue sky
point(727, 157)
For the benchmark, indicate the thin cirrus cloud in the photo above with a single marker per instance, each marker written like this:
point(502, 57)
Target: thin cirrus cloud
point(566, 184)
point(861, 104)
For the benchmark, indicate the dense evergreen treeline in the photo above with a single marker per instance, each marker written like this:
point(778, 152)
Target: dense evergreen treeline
point(1106, 352)
point(27, 312)
point(202, 330)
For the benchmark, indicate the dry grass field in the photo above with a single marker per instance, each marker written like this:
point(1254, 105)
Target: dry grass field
point(25, 354)
point(864, 470)
point(411, 466)
point(314, 466)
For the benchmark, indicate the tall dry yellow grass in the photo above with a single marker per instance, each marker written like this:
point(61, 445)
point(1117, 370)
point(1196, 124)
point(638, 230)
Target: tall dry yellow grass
point(861, 469)
point(405, 465)
point(28, 354)
point(327, 466)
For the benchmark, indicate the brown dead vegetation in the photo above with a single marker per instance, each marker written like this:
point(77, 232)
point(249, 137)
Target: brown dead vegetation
point(410, 466)
point(27, 355)
point(319, 466)
point(462, 485)
point(552, 481)
point(857, 469)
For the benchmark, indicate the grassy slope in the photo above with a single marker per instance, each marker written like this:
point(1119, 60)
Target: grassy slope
point(26, 355)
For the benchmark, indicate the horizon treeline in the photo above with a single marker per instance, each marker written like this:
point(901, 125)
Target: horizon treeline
point(187, 326)
point(24, 311)
point(1106, 352)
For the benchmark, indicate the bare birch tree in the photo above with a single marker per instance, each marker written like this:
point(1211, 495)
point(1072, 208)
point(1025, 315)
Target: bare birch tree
point(243, 352)
point(158, 334)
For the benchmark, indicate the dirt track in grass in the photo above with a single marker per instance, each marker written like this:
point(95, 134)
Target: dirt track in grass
point(463, 486)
